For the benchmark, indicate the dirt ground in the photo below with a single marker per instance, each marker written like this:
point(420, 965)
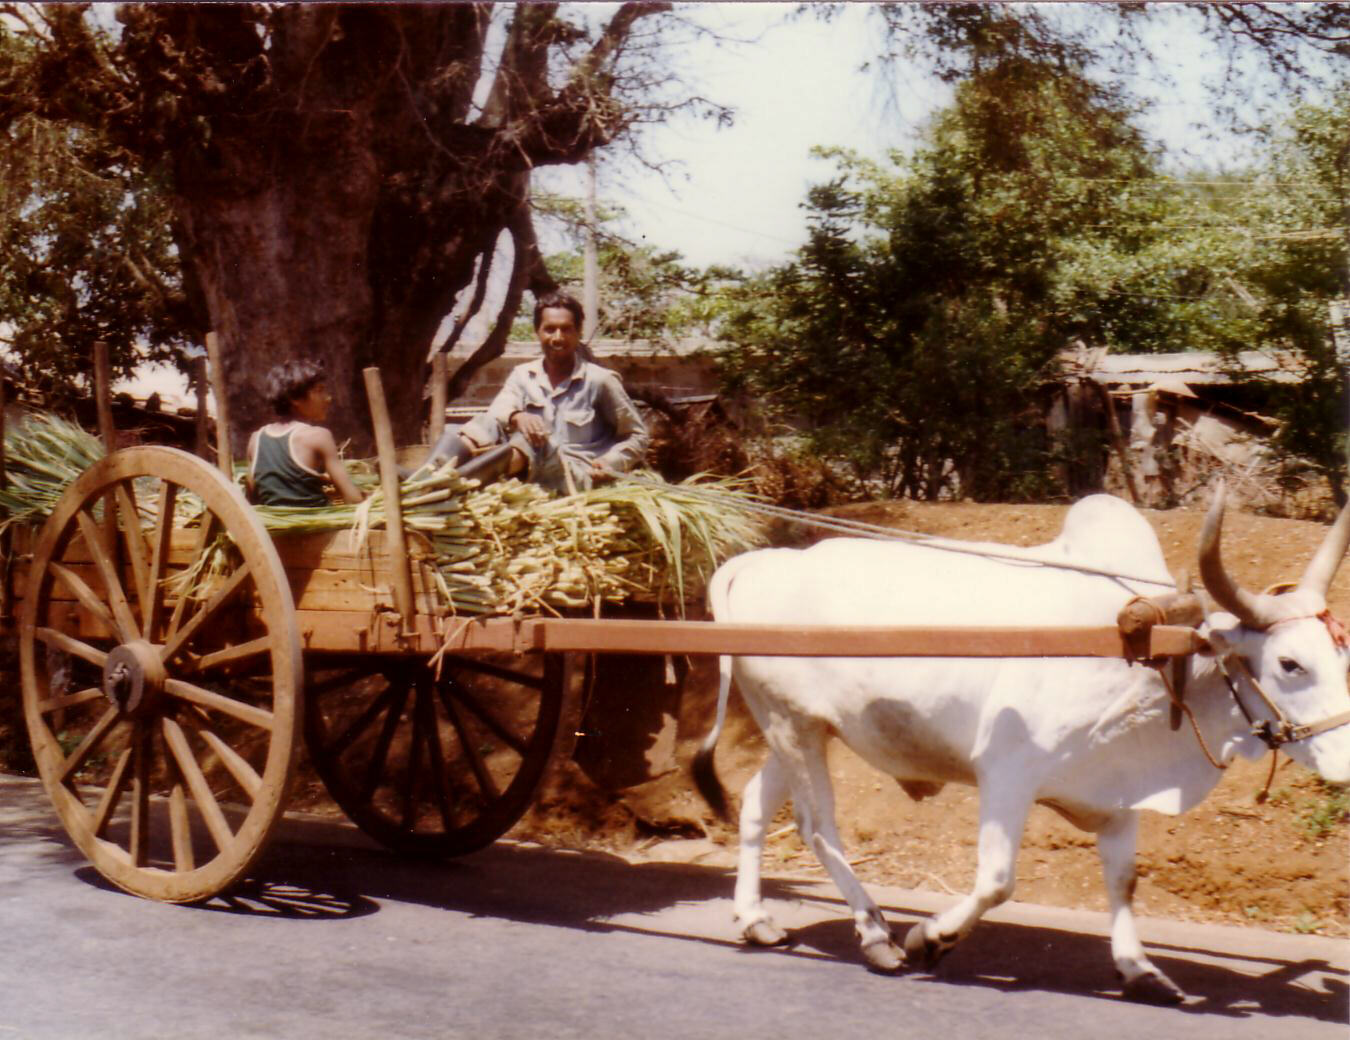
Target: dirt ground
point(1281, 864)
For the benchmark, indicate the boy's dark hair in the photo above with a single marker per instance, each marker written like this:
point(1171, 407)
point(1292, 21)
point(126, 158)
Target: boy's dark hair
point(558, 298)
point(291, 379)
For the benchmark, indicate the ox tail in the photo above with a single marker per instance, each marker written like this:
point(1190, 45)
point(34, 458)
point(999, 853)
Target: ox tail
point(705, 771)
point(703, 768)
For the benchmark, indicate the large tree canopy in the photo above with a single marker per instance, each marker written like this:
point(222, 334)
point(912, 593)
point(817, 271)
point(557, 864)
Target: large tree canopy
point(337, 173)
point(326, 179)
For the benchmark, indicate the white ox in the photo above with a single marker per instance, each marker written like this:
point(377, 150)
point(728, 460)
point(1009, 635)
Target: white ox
point(1088, 737)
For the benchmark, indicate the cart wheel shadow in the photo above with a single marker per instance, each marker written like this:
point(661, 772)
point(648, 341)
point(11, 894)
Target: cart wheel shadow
point(272, 897)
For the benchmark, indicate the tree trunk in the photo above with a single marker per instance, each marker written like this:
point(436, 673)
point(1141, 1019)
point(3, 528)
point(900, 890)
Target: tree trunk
point(336, 169)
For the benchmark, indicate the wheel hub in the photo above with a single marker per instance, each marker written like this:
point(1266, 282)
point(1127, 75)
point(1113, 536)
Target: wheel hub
point(133, 677)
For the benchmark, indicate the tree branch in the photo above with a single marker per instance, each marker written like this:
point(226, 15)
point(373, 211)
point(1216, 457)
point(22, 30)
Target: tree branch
point(521, 227)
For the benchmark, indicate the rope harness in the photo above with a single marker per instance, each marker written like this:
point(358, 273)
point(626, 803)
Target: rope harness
point(1273, 732)
point(1279, 731)
point(877, 532)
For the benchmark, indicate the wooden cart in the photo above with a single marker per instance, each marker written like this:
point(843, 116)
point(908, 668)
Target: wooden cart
point(166, 703)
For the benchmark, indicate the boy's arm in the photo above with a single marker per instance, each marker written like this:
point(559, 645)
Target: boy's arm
point(326, 448)
point(250, 491)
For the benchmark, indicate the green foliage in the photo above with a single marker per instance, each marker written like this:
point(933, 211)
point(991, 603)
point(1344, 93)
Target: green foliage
point(912, 334)
point(914, 329)
point(86, 252)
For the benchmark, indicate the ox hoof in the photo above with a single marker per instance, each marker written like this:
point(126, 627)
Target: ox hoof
point(921, 951)
point(765, 933)
point(1153, 989)
point(884, 957)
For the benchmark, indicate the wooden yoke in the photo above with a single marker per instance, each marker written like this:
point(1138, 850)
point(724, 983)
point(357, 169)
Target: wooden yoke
point(400, 576)
point(1137, 618)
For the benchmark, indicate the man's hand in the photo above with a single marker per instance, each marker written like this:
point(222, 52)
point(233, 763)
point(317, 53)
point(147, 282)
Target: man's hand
point(600, 471)
point(534, 429)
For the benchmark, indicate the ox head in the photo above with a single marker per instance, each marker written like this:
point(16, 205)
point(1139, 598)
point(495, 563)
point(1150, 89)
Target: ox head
point(1294, 649)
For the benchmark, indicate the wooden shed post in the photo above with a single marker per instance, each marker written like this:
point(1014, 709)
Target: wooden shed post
point(1118, 442)
point(400, 576)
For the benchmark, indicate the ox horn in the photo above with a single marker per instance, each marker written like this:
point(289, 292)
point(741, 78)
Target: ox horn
point(1323, 566)
point(1245, 606)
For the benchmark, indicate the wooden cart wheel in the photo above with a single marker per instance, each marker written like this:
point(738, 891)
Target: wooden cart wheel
point(435, 767)
point(161, 673)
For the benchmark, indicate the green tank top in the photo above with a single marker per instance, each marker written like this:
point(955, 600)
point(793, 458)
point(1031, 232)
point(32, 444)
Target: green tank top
point(279, 479)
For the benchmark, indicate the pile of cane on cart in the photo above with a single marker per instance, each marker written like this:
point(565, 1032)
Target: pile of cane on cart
point(492, 549)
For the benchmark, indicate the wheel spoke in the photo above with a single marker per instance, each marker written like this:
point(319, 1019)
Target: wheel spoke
point(238, 766)
point(124, 623)
point(229, 655)
point(414, 773)
point(206, 613)
point(196, 781)
point(466, 743)
point(344, 678)
point(180, 829)
point(74, 647)
point(205, 530)
point(138, 843)
point(88, 598)
point(380, 754)
point(218, 702)
point(456, 690)
point(358, 725)
point(91, 740)
point(68, 700)
point(133, 539)
point(510, 675)
point(112, 794)
point(153, 600)
point(436, 755)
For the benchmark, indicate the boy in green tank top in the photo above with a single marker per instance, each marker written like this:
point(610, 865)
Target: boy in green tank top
point(289, 459)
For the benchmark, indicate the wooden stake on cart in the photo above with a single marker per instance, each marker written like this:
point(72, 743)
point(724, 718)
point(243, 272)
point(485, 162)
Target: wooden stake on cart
point(223, 457)
point(400, 577)
point(6, 586)
point(103, 397)
point(437, 423)
point(106, 430)
point(201, 380)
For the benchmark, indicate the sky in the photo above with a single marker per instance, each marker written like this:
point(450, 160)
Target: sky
point(733, 195)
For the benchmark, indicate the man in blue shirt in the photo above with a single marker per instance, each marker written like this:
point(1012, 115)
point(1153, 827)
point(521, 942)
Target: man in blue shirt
point(569, 422)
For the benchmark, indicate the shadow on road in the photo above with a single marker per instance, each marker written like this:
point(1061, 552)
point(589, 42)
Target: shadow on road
point(597, 892)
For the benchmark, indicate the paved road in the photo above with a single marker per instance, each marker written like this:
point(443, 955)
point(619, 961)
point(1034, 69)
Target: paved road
point(337, 940)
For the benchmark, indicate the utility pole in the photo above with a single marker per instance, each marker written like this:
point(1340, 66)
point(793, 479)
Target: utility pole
point(591, 265)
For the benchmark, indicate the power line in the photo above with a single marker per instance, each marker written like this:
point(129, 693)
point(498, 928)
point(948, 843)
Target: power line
point(721, 223)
